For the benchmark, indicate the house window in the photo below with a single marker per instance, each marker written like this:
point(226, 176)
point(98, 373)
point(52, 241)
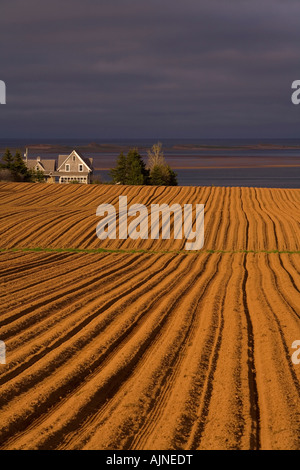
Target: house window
point(80, 167)
point(67, 167)
point(74, 158)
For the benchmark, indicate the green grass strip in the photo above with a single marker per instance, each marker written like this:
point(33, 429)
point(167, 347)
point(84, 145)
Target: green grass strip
point(106, 250)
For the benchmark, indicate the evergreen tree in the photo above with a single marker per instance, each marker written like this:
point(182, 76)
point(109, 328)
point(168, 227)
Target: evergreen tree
point(8, 160)
point(172, 179)
point(158, 176)
point(163, 175)
point(119, 174)
point(137, 174)
point(19, 167)
point(130, 169)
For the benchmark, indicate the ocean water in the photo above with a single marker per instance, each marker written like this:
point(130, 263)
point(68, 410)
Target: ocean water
point(244, 177)
point(187, 155)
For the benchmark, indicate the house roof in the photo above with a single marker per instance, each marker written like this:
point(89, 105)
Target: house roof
point(61, 159)
point(46, 165)
point(87, 161)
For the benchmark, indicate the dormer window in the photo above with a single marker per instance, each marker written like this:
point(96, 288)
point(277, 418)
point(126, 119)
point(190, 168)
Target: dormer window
point(67, 167)
point(80, 167)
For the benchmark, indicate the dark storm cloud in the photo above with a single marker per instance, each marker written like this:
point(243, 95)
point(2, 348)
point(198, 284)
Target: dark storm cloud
point(186, 68)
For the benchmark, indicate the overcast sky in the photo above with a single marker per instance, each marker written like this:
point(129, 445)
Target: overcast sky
point(149, 68)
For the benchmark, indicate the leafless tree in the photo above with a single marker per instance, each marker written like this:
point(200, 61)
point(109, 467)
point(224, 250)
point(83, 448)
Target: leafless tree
point(156, 156)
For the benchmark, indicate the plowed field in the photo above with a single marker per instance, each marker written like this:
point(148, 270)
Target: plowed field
point(160, 349)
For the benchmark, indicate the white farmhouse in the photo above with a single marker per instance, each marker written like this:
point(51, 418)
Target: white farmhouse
point(69, 168)
point(74, 167)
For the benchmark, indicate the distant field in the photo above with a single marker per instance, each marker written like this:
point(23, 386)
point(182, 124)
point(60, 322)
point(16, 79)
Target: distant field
point(164, 349)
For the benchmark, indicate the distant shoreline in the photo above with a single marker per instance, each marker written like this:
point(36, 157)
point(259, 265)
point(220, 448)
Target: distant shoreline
point(215, 167)
point(113, 147)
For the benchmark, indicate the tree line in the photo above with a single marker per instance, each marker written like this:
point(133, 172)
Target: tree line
point(18, 170)
point(132, 170)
